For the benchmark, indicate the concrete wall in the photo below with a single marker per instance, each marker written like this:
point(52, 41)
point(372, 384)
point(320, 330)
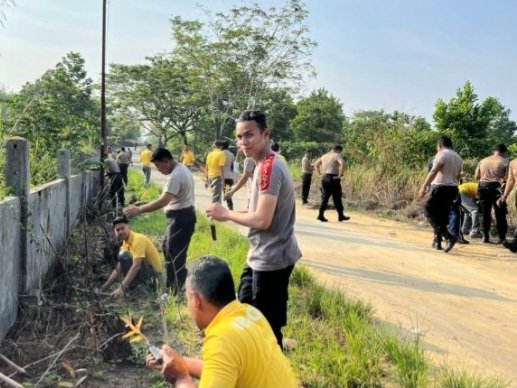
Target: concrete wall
point(9, 262)
point(47, 235)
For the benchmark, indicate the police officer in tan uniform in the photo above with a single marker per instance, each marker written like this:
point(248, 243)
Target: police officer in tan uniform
point(330, 168)
point(491, 172)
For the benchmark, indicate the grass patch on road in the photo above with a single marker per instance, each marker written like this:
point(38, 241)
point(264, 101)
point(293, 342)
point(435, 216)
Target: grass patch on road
point(335, 341)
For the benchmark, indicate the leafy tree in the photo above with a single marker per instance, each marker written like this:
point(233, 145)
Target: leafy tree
point(162, 96)
point(55, 111)
point(319, 118)
point(124, 130)
point(388, 141)
point(475, 127)
point(241, 54)
point(280, 110)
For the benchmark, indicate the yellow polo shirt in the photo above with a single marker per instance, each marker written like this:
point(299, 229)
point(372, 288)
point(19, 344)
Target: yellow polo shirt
point(141, 248)
point(214, 161)
point(188, 158)
point(470, 189)
point(240, 350)
point(145, 157)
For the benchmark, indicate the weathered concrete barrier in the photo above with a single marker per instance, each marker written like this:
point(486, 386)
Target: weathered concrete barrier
point(35, 224)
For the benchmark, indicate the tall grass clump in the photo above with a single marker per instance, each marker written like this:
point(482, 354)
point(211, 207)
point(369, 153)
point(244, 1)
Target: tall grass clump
point(409, 360)
point(452, 378)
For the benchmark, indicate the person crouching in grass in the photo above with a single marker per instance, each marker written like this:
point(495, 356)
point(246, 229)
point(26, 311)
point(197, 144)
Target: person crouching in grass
point(138, 260)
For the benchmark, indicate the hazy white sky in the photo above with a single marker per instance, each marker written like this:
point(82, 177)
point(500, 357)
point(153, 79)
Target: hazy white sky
point(372, 54)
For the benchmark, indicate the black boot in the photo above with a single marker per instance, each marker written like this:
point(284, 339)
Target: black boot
point(451, 241)
point(321, 217)
point(437, 242)
point(511, 245)
point(342, 217)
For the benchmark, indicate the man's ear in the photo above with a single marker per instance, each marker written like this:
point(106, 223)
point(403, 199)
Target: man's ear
point(267, 132)
point(197, 299)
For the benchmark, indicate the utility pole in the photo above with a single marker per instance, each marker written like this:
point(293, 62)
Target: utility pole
point(103, 92)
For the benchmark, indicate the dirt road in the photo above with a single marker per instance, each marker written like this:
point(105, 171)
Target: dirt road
point(464, 304)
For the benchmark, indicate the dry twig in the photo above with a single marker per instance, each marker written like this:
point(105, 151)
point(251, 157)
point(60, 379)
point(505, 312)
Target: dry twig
point(55, 359)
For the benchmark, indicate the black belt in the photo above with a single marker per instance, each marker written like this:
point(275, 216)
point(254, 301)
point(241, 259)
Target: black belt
point(174, 213)
point(490, 184)
point(332, 175)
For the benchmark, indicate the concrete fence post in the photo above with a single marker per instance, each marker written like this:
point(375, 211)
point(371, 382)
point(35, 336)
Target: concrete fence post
point(63, 171)
point(17, 178)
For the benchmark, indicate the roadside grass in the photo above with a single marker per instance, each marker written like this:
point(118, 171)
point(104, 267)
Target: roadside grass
point(334, 340)
point(451, 378)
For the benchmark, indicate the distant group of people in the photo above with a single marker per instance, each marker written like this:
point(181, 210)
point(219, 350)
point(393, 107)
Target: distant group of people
point(455, 209)
point(243, 338)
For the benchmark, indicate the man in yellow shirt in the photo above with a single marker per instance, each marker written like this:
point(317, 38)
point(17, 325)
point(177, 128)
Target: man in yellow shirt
point(145, 158)
point(239, 347)
point(470, 209)
point(214, 175)
point(187, 157)
point(138, 260)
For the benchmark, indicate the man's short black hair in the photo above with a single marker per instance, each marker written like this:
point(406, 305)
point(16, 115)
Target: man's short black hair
point(338, 148)
point(253, 115)
point(149, 145)
point(308, 151)
point(445, 141)
point(161, 155)
point(211, 277)
point(120, 220)
point(501, 148)
point(226, 144)
point(122, 148)
point(219, 143)
point(275, 147)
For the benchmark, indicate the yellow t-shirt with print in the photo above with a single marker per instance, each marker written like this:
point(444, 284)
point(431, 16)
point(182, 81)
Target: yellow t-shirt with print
point(188, 158)
point(141, 247)
point(240, 350)
point(214, 161)
point(145, 157)
point(470, 189)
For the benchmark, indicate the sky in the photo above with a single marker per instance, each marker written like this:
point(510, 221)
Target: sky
point(372, 54)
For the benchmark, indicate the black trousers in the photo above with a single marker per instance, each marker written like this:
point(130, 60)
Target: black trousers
point(123, 171)
point(489, 193)
point(116, 189)
point(438, 206)
point(306, 186)
point(331, 186)
point(146, 275)
point(268, 291)
point(228, 183)
point(176, 241)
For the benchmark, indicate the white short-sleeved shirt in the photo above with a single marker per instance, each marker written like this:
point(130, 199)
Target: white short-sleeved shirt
point(181, 185)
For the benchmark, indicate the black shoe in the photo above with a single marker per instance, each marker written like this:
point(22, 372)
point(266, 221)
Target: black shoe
point(512, 246)
point(437, 245)
point(486, 240)
point(450, 244)
point(322, 218)
point(343, 218)
point(463, 241)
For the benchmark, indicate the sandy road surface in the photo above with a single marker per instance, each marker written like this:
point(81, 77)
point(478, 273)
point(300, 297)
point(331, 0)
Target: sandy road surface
point(463, 303)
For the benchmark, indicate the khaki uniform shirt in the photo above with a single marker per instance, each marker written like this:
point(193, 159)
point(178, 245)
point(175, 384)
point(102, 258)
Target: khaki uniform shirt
point(330, 163)
point(493, 169)
point(306, 165)
point(450, 170)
